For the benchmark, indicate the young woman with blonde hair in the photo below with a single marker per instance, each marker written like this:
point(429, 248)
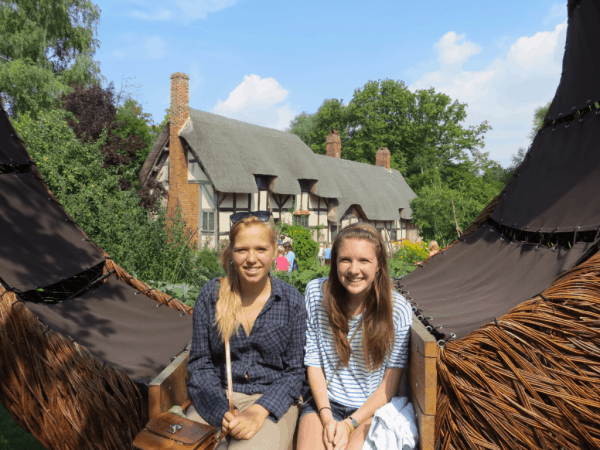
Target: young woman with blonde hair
point(264, 319)
point(357, 342)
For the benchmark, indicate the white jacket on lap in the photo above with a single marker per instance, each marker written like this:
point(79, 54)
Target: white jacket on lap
point(394, 427)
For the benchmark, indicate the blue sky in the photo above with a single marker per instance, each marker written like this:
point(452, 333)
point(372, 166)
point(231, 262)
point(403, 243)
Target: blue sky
point(265, 61)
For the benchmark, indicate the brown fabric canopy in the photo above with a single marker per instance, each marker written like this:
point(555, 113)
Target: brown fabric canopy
point(12, 149)
point(121, 328)
point(39, 245)
point(558, 185)
point(579, 86)
point(484, 277)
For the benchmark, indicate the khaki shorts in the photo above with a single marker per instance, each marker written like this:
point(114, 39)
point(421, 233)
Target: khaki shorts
point(271, 436)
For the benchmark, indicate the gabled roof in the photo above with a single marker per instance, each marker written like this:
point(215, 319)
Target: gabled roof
point(379, 193)
point(233, 152)
point(159, 144)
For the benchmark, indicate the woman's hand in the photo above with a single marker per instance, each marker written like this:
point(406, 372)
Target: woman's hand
point(329, 426)
point(329, 433)
point(342, 435)
point(227, 418)
point(247, 423)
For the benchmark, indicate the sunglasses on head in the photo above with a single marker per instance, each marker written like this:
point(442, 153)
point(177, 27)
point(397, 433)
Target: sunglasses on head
point(263, 216)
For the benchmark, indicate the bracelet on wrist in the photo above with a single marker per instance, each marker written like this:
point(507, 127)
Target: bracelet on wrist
point(353, 421)
point(324, 407)
point(349, 426)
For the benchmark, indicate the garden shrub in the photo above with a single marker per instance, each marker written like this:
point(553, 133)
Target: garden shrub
point(403, 261)
point(300, 278)
point(305, 248)
point(398, 268)
point(112, 217)
point(411, 252)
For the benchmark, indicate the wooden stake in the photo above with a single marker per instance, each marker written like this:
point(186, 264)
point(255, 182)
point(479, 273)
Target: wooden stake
point(454, 212)
point(229, 378)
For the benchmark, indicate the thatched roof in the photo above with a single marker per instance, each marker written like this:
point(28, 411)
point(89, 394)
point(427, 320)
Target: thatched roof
point(233, 152)
point(159, 144)
point(379, 193)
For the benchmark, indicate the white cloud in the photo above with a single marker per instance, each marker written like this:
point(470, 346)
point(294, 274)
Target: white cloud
point(257, 100)
point(506, 92)
point(536, 53)
point(157, 14)
point(451, 52)
point(185, 11)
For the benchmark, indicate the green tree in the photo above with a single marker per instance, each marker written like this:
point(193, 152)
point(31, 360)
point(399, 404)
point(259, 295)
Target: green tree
point(422, 129)
point(129, 131)
point(538, 119)
point(111, 216)
point(133, 121)
point(441, 158)
point(45, 46)
point(432, 212)
point(313, 129)
point(303, 126)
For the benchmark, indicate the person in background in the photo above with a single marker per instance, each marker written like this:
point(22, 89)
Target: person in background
point(264, 319)
point(290, 255)
point(434, 249)
point(328, 255)
point(357, 336)
point(281, 262)
point(321, 255)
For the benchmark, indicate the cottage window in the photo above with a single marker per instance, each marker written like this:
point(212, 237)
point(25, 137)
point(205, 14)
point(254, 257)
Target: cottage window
point(301, 220)
point(262, 182)
point(305, 185)
point(208, 221)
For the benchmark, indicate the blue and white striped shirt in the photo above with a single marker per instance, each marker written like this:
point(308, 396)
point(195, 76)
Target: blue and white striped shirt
point(353, 384)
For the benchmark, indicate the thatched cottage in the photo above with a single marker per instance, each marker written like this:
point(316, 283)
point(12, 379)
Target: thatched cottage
point(213, 166)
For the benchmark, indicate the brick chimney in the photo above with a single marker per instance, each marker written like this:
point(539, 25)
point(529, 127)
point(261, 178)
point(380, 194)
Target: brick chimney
point(181, 193)
point(180, 111)
point(382, 159)
point(334, 144)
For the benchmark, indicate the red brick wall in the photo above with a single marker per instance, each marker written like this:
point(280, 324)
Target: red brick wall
point(334, 144)
point(181, 193)
point(382, 158)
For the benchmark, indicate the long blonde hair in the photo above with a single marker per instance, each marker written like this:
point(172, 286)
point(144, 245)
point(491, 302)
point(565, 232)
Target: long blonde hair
point(229, 303)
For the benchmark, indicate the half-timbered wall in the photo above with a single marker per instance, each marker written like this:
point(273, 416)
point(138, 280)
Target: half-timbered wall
point(207, 219)
point(281, 205)
point(163, 174)
point(233, 203)
point(215, 209)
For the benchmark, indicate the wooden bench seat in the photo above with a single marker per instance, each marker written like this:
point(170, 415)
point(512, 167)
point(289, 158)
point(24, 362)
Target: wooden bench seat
point(169, 387)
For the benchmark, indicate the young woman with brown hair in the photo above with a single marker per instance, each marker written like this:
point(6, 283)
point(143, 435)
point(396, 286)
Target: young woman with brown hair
point(357, 342)
point(264, 319)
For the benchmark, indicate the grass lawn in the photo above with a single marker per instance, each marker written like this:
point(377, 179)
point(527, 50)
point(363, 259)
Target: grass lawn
point(12, 437)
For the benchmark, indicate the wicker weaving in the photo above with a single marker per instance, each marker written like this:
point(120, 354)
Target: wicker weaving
point(515, 302)
point(62, 377)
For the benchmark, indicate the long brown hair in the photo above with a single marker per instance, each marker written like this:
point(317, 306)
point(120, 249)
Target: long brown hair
point(229, 302)
point(377, 317)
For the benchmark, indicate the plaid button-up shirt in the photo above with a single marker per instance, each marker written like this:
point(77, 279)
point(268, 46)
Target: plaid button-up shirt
point(269, 361)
